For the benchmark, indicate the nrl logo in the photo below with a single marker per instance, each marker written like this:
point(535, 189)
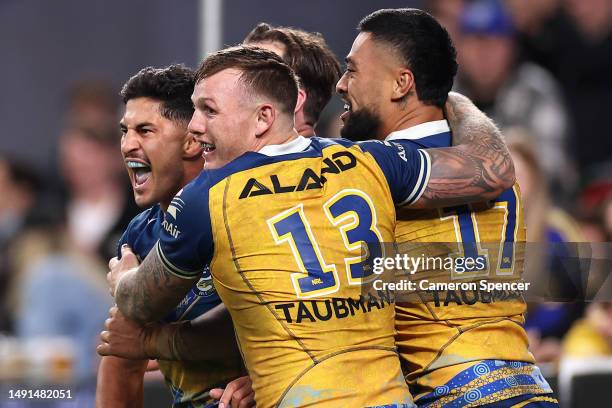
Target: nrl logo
point(205, 285)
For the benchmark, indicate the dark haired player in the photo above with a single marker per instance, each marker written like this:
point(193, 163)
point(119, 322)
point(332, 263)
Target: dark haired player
point(458, 349)
point(161, 157)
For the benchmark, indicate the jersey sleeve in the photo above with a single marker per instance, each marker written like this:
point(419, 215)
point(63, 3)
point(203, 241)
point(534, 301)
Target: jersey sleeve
point(125, 237)
point(406, 168)
point(185, 244)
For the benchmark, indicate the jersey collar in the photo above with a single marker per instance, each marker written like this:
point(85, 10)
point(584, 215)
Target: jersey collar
point(297, 145)
point(420, 131)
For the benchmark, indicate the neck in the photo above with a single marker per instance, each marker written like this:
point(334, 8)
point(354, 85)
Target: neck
point(191, 170)
point(305, 130)
point(411, 116)
point(164, 204)
point(303, 124)
point(276, 136)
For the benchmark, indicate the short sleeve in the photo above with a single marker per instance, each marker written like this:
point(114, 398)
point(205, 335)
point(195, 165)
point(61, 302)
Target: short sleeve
point(185, 243)
point(405, 167)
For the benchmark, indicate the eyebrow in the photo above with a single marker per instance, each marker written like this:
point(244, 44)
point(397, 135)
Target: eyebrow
point(122, 125)
point(203, 99)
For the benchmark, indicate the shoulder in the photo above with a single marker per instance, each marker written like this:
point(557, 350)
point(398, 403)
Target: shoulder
point(140, 222)
point(141, 231)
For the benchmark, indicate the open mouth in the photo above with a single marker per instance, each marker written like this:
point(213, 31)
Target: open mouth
point(347, 111)
point(207, 148)
point(140, 170)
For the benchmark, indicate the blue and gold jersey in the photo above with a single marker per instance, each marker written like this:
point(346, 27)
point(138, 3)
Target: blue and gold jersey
point(283, 230)
point(461, 347)
point(189, 381)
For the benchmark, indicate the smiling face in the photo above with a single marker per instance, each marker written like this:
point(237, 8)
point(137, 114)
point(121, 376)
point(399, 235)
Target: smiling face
point(152, 147)
point(225, 118)
point(366, 88)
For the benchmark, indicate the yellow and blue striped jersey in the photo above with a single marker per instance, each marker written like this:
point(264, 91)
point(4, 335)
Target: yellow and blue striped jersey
point(284, 230)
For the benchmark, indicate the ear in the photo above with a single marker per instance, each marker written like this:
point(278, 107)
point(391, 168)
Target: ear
point(191, 148)
point(301, 100)
point(404, 85)
point(266, 115)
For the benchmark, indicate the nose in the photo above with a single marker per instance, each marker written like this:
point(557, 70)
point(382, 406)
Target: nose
point(197, 124)
point(341, 85)
point(129, 142)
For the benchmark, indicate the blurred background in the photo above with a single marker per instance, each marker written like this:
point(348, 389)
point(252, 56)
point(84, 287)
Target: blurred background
point(542, 69)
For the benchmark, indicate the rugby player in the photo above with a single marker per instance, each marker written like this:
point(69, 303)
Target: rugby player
point(293, 347)
point(161, 157)
point(460, 349)
point(314, 63)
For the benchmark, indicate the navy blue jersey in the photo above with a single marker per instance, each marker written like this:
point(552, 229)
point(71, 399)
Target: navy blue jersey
point(141, 235)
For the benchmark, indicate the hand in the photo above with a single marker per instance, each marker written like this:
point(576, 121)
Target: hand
point(238, 392)
point(120, 266)
point(125, 338)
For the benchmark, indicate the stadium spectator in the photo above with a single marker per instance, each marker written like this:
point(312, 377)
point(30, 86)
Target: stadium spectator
point(551, 229)
point(573, 40)
point(447, 12)
point(19, 186)
point(592, 335)
point(98, 198)
point(530, 16)
point(591, 207)
point(93, 104)
point(63, 294)
point(513, 93)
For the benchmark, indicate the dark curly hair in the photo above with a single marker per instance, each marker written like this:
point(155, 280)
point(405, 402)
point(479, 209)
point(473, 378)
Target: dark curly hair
point(423, 44)
point(309, 56)
point(172, 85)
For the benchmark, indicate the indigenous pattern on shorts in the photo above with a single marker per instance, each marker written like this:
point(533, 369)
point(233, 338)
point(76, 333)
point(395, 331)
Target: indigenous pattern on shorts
point(486, 382)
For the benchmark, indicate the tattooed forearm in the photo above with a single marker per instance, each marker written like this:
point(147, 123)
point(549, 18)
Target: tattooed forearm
point(146, 294)
point(478, 167)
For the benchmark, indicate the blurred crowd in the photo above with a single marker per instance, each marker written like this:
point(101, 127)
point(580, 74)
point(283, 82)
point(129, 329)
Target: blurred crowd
point(540, 68)
point(56, 237)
